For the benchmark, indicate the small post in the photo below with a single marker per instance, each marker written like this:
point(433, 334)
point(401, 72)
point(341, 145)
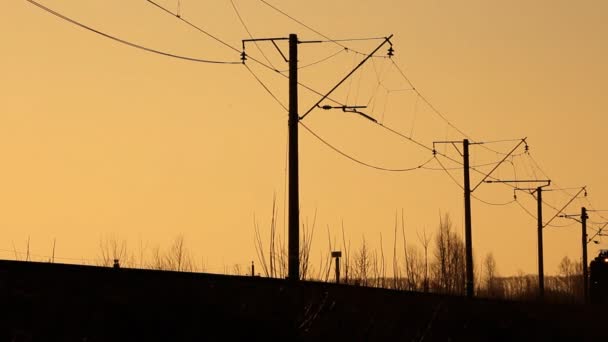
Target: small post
point(252, 269)
point(337, 255)
point(116, 264)
point(584, 218)
point(541, 272)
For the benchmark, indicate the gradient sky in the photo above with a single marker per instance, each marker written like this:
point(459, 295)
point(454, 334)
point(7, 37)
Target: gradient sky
point(99, 139)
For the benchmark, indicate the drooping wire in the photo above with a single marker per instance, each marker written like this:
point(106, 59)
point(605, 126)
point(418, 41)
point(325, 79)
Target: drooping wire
point(460, 167)
point(192, 25)
point(462, 188)
point(266, 88)
point(324, 59)
point(492, 203)
point(335, 149)
point(189, 23)
point(449, 174)
point(426, 101)
point(238, 14)
point(350, 39)
point(525, 210)
point(338, 42)
point(597, 212)
point(125, 42)
point(437, 111)
point(419, 95)
point(350, 80)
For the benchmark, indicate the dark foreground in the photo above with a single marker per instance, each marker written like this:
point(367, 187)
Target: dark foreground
point(55, 302)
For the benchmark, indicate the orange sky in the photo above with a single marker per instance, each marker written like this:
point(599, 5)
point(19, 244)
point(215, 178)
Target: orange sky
point(99, 139)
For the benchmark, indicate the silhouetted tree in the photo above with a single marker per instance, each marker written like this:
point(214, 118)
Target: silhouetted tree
point(449, 266)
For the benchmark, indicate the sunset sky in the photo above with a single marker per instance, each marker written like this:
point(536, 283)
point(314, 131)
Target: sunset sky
point(99, 139)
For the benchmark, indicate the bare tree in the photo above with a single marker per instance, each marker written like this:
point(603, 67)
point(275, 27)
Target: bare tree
point(178, 257)
point(449, 267)
point(275, 265)
point(381, 275)
point(569, 282)
point(112, 249)
point(346, 258)
point(493, 287)
point(306, 237)
point(425, 242)
point(396, 274)
point(363, 264)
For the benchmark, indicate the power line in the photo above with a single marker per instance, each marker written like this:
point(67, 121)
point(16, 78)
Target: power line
point(359, 161)
point(318, 61)
point(460, 167)
point(350, 39)
point(249, 33)
point(192, 25)
point(189, 23)
point(266, 88)
point(438, 112)
point(428, 103)
point(449, 174)
point(338, 42)
point(122, 41)
point(525, 210)
point(492, 203)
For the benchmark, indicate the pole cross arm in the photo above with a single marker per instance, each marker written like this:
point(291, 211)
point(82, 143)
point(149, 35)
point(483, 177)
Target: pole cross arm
point(584, 188)
point(497, 165)
point(386, 40)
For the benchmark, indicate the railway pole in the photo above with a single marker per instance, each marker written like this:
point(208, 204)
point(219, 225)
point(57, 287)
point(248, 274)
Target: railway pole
point(294, 188)
point(541, 272)
point(584, 218)
point(468, 236)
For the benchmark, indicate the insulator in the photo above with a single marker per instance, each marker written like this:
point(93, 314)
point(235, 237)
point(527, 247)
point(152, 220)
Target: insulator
point(243, 57)
point(327, 107)
point(391, 51)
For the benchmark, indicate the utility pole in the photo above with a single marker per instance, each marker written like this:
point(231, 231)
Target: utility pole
point(540, 226)
point(468, 234)
point(541, 271)
point(293, 272)
point(468, 238)
point(584, 218)
point(584, 241)
point(293, 254)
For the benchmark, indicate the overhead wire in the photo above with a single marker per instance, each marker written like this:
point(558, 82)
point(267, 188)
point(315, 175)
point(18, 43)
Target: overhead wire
point(472, 195)
point(492, 203)
point(330, 40)
point(189, 23)
point(266, 88)
point(350, 39)
point(238, 14)
point(449, 174)
point(524, 209)
point(324, 59)
point(460, 167)
point(180, 17)
point(359, 161)
point(595, 210)
point(419, 95)
point(123, 41)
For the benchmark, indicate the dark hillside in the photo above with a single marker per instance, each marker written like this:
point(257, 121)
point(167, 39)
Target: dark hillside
point(55, 302)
